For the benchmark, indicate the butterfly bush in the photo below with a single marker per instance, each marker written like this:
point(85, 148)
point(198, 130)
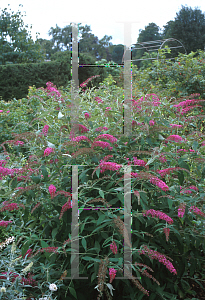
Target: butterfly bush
point(158, 256)
point(105, 165)
point(158, 214)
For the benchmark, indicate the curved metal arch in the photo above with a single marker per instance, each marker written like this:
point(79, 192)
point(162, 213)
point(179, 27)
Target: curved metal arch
point(170, 39)
point(152, 42)
point(131, 50)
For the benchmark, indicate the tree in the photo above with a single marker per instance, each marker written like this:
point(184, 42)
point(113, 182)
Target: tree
point(117, 53)
point(21, 48)
point(189, 28)
point(150, 33)
point(88, 42)
point(47, 47)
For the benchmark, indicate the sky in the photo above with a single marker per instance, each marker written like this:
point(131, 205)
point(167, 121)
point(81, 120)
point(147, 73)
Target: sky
point(104, 18)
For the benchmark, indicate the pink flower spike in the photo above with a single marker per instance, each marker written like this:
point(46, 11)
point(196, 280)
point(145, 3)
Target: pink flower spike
point(112, 273)
point(87, 116)
point(52, 190)
point(1, 111)
point(47, 151)
point(151, 122)
point(113, 247)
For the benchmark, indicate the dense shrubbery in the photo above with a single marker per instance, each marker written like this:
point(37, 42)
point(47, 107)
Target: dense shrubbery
point(166, 152)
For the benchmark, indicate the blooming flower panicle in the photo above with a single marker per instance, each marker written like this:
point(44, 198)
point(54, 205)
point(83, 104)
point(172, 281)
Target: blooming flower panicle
point(151, 122)
point(109, 166)
point(99, 100)
point(18, 143)
point(10, 207)
point(65, 207)
point(87, 116)
point(5, 223)
point(48, 150)
point(101, 144)
point(181, 210)
point(45, 130)
point(174, 137)
point(175, 126)
point(109, 137)
point(52, 190)
point(197, 211)
point(112, 273)
point(101, 128)
point(161, 184)
point(166, 231)
point(113, 247)
point(139, 162)
point(158, 214)
point(158, 256)
point(80, 138)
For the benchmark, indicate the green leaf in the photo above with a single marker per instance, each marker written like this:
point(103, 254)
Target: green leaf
point(101, 193)
point(44, 172)
point(195, 145)
point(44, 244)
point(84, 243)
point(73, 292)
point(98, 228)
point(14, 183)
point(101, 218)
point(93, 276)
point(203, 173)
point(181, 177)
point(35, 179)
point(98, 172)
point(54, 232)
point(91, 124)
point(25, 247)
point(170, 202)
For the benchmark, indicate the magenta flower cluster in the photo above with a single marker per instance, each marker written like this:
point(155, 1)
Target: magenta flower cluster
point(162, 158)
point(183, 150)
point(101, 128)
point(185, 103)
point(175, 138)
point(139, 162)
point(158, 214)
point(151, 122)
point(112, 274)
point(158, 256)
point(80, 138)
point(175, 126)
point(45, 130)
point(18, 143)
point(52, 190)
point(48, 151)
point(166, 171)
point(99, 100)
point(197, 211)
point(109, 137)
point(188, 191)
point(181, 210)
point(4, 223)
point(10, 207)
point(161, 184)
point(113, 247)
point(87, 116)
point(109, 166)
point(52, 90)
point(101, 144)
